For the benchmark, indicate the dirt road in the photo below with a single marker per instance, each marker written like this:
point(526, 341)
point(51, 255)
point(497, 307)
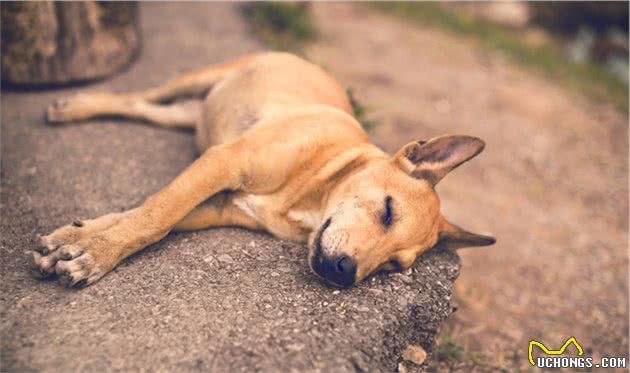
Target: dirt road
point(551, 184)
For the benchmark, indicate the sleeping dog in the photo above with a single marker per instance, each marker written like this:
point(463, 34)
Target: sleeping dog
point(280, 152)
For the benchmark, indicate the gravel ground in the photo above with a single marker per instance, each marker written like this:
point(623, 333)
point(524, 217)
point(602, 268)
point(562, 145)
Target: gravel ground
point(221, 299)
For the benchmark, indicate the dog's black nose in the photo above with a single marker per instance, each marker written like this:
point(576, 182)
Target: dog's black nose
point(346, 265)
point(339, 270)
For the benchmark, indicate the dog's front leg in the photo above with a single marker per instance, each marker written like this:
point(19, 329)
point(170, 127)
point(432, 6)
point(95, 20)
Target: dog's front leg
point(85, 251)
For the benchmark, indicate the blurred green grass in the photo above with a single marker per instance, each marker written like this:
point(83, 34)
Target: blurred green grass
point(589, 78)
point(359, 111)
point(281, 25)
point(289, 27)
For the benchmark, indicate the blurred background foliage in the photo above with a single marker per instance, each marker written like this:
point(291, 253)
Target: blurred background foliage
point(281, 25)
point(289, 27)
point(582, 44)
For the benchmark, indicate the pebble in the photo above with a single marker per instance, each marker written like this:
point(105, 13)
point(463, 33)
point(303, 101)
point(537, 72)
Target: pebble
point(296, 347)
point(415, 354)
point(208, 259)
point(225, 258)
point(406, 279)
point(403, 302)
point(402, 368)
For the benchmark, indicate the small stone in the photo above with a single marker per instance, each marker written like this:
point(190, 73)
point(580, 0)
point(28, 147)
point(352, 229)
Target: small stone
point(414, 354)
point(402, 368)
point(208, 259)
point(336, 292)
point(406, 279)
point(403, 302)
point(296, 347)
point(275, 274)
point(225, 258)
point(360, 362)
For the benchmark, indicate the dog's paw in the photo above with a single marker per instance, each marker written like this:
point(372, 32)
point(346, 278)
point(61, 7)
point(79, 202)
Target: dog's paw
point(78, 267)
point(71, 251)
point(78, 107)
point(59, 111)
point(76, 264)
point(62, 236)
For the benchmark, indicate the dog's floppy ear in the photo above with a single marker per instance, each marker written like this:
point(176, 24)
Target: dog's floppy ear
point(432, 160)
point(454, 237)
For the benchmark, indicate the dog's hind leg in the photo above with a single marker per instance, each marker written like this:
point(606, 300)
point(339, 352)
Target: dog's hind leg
point(145, 104)
point(86, 106)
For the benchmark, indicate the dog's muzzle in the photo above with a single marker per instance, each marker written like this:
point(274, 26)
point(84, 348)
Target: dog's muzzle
point(337, 270)
point(340, 271)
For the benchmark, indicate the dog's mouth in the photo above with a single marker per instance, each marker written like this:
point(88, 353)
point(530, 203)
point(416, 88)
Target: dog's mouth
point(316, 256)
point(339, 271)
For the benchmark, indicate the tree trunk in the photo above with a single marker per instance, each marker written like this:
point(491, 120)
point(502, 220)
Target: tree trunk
point(50, 42)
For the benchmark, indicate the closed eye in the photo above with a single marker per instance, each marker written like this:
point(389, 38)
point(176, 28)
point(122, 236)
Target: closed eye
point(387, 216)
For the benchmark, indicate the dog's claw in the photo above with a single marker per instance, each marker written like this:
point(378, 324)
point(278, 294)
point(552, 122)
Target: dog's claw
point(42, 266)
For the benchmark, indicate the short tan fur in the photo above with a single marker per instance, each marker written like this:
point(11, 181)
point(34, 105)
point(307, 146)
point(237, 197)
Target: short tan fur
point(280, 152)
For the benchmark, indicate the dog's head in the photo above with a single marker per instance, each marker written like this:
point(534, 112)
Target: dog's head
point(385, 214)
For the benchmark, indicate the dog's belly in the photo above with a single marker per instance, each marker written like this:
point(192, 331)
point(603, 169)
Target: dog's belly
point(294, 224)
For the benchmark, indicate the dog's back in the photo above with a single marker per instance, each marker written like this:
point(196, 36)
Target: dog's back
point(267, 85)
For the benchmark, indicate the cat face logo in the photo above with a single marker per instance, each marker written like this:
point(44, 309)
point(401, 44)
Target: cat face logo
point(553, 352)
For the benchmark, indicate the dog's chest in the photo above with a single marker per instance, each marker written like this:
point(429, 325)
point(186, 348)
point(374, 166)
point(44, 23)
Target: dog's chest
point(295, 223)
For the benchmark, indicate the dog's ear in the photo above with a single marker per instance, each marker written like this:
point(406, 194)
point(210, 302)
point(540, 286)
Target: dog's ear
point(432, 160)
point(454, 237)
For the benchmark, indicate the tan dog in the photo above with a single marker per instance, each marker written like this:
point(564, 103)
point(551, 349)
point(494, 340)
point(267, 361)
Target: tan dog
point(282, 153)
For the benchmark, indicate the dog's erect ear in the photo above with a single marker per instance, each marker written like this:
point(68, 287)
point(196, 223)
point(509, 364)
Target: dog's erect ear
point(432, 160)
point(454, 237)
